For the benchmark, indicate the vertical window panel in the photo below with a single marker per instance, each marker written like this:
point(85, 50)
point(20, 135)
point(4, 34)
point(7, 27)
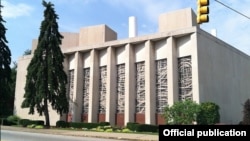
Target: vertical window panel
point(185, 78)
point(161, 85)
point(140, 87)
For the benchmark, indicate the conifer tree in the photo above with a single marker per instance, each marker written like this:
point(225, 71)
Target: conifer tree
point(46, 80)
point(246, 112)
point(5, 70)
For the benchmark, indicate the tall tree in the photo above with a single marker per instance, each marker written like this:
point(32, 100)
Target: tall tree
point(5, 61)
point(246, 112)
point(46, 80)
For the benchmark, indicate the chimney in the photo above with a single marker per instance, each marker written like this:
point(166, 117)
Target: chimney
point(132, 27)
point(214, 32)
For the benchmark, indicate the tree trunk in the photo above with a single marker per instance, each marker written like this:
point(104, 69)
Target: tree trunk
point(46, 114)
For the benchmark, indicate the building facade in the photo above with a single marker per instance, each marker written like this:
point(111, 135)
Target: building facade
point(133, 79)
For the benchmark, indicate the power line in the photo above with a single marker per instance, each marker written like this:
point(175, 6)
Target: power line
point(233, 9)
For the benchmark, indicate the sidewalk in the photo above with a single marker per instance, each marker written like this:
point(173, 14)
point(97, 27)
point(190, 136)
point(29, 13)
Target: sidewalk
point(121, 136)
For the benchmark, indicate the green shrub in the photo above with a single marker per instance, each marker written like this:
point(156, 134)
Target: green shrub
point(246, 113)
point(118, 130)
point(109, 130)
point(241, 123)
point(146, 128)
point(104, 123)
point(5, 122)
point(100, 130)
point(132, 126)
point(76, 125)
point(208, 114)
point(83, 125)
point(39, 126)
point(107, 127)
point(31, 126)
point(37, 122)
point(24, 122)
point(181, 112)
point(62, 124)
point(13, 119)
point(126, 130)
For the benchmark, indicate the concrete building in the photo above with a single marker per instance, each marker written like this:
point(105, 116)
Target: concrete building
point(131, 80)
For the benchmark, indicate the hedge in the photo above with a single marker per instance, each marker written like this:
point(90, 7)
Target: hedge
point(62, 124)
point(83, 125)
point(26, 122)
point(133, 126)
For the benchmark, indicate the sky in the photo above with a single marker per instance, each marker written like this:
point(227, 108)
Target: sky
point(23, 18)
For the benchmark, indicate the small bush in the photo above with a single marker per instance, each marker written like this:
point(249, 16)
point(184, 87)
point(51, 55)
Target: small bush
point(24, 122)
point(146, 128)
point(37, 122)
point(126, 130)
point(109, 130)
point(13, 119)
point(132, 126)
point(62, 124)
point(100, 130)
point(118, 130)
point(181, 112)
point(39, 126)
point(107, 127)
point(104, 123)
point(246, 113)
point(83, 125)
point(208, 114)
point(241, 123)
point(5, 122)
point(31, 126)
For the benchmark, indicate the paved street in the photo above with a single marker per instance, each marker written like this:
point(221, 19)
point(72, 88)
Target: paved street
point(102, 135)
point(8, 135)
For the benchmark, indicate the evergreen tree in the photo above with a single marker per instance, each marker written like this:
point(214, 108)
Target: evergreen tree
point(246, 112)
point(5, 70)
point(46, 79)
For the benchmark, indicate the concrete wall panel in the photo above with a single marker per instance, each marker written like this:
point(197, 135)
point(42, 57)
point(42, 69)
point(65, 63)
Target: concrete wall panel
point(86, 60)
point(72, 62)
point(223, 77)
point(160, 49)
point(103, 57)
point(139, 50)
point(120, 55)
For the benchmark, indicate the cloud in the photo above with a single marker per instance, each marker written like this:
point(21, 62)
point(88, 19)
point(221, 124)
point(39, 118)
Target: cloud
point(15, 10)
point(149, 9)
point(231, 26)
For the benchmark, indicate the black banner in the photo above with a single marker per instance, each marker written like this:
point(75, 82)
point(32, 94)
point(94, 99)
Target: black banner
point(199, 132)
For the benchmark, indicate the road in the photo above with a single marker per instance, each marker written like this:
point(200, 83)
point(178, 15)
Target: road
point(7, 135)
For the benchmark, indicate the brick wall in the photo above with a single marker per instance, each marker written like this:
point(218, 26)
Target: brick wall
point(84, 117)
point(140, 118)
point(69, 118)
point(101, 118)
point(120, 120)
point(160, 119)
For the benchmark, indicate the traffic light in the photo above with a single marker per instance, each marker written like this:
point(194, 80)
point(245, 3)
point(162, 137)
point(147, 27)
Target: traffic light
point(202, 11)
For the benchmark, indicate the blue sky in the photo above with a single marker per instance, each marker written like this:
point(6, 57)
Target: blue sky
point(23, 18)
